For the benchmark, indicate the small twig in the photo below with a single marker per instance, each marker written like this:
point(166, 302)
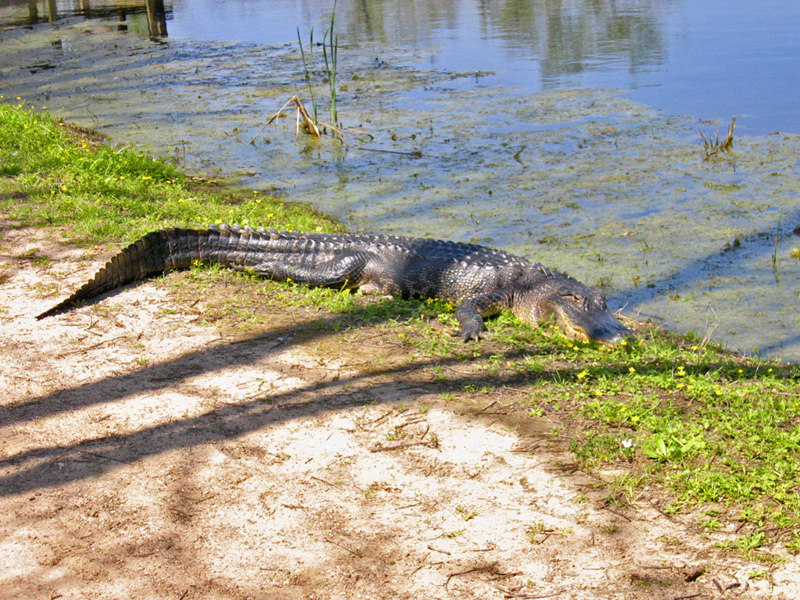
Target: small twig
point(414, 154)
point(343, 547)
point(532, 596)
point(619, 514)
point(205, 498)
point(323, 481)
point(468, 571)
point(380, 448)
point(301, 112)
point(92, 347)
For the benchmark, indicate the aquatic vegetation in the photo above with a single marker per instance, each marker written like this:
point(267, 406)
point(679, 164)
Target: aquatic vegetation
point(308, 72)
point(714, 146)
point(330, 53)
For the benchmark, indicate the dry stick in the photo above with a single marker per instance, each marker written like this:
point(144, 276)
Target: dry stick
point(343, 547)
point(414, 154)
point(320, 479)
point(312, 127)
point(467, 572)
point(531, 596)
point(92, 347)
point(379, 448)
point(437, 550)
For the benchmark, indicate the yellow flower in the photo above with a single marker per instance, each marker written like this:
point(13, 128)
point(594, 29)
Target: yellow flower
point(631, 370)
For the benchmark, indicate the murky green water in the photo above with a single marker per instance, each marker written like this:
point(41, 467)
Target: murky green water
point(583, 180)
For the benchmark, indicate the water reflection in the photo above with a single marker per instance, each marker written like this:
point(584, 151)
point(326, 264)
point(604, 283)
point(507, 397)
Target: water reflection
point(53, 10)
point(565, 37)
point(682, 56)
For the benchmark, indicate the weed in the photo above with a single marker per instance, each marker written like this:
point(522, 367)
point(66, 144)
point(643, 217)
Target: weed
point(308, 70)
point(330, 54)
point(746, 544)
point(610, 529)
point(454, 534)
point(533, 531)
point(714, 146)
point(465, 514)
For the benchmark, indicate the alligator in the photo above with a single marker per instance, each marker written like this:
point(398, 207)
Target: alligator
point(483, 281)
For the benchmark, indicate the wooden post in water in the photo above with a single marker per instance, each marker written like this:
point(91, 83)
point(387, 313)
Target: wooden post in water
point(156, 18)
point(33, 11)
point(52, 11)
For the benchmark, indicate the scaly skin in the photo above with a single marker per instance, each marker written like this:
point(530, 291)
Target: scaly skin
point(481, 280)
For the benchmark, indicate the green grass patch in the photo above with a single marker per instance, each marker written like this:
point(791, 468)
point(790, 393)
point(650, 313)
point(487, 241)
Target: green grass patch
point(56, 175)
point(690, 422)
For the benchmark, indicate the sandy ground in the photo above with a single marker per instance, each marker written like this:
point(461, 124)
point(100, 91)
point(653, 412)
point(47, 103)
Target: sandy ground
point(144, 454)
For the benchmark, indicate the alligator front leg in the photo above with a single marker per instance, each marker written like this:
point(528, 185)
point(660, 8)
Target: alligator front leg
point(473, 310)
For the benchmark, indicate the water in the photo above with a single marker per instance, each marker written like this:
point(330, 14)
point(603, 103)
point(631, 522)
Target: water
point(567, 133)
point(712, 60)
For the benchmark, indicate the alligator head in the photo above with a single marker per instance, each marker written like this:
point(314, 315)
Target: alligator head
point(579, 311)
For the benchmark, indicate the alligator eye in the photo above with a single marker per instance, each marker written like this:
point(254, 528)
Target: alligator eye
point(565, 292)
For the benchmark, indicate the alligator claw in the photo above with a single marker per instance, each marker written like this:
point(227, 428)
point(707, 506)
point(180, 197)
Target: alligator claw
point(470, 332)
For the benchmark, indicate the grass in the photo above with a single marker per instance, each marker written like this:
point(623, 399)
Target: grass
point(52, 174)
point(698, 431)
point(714, 146)
point(330, 55)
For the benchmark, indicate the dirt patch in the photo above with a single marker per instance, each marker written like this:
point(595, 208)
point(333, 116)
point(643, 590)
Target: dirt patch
point(147, 455)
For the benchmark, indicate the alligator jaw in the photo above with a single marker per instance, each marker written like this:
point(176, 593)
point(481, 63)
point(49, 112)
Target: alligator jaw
point(603, 328)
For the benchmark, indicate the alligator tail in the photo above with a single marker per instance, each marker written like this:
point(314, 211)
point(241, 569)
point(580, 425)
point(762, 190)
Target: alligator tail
point(159, 252)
